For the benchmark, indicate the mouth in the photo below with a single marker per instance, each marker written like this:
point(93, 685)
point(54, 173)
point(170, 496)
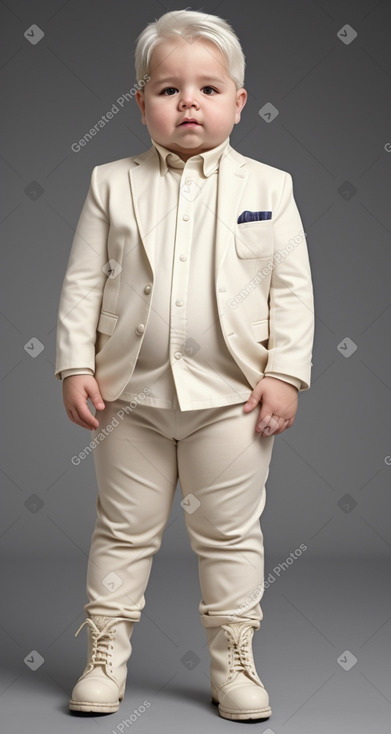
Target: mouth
point(188, 123)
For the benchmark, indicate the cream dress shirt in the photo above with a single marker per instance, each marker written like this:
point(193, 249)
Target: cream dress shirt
point(184, 360)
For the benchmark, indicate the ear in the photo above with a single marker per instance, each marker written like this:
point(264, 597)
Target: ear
point(140, 99)
point(241, 99)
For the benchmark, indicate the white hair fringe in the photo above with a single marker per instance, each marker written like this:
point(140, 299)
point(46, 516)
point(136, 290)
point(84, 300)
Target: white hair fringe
point(191, 23)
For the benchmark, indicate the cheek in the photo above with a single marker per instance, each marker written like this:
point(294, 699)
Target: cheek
point(221, 114)
point(220, 120)
point(157, 115)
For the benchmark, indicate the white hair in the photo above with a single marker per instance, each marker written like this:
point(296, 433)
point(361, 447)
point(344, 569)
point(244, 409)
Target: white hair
point(191, 23)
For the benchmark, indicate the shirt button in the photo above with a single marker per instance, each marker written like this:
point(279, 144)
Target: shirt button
point(179, 302)
point(147, 289)
point(178, 355)
point(140, 329)
point(182, 257)
point(186, 217)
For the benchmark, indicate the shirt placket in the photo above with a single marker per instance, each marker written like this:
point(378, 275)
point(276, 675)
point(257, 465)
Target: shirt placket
point(188, 188)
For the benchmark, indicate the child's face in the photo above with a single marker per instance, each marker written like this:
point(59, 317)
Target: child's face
point(189, 79)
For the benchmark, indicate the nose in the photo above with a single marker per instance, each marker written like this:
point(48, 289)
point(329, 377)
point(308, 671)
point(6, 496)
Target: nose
point(187, 99)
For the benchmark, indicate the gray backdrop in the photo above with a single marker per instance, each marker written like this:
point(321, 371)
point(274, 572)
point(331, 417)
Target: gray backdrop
point(324, 646)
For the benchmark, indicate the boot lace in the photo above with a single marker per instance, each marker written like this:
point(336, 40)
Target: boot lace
point(101, 642)
point(239, 650)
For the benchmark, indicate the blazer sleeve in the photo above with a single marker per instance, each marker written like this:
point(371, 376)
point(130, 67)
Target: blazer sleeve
point(82, 288)
point(291, 305)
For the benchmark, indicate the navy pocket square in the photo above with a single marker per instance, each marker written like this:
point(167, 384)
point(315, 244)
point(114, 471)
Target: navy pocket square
point(248, 216)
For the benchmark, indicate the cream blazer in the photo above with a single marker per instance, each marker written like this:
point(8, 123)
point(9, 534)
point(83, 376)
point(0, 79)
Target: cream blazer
point(262, 273)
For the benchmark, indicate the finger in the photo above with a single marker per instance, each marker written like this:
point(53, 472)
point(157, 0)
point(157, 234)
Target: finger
point(286, 423)
point(84, 413)
point(73, 416)
point(76, 420)
point(88, 420)
point(274, 426)
point(262, 422)
point(268, 425)
point(83, 418)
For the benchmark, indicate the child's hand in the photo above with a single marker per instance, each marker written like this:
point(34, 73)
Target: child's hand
point(76, 389)
point(279, 403)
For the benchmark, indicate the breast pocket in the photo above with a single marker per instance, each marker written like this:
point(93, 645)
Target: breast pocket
point(254, 240)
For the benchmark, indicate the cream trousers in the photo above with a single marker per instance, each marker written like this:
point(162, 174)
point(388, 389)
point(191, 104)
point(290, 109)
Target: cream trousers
point(222, 465)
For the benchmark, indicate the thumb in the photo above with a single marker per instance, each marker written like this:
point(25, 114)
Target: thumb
point(266, 411)
point(254, 398)
point(96, 398)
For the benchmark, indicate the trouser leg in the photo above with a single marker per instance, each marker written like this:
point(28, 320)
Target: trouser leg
point(223, 467)
point(136, 471)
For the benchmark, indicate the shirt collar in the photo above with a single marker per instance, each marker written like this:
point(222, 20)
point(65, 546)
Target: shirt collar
point(209, 160)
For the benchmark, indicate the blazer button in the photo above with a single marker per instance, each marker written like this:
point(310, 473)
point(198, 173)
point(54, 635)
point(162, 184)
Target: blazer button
point(147, 289)
point(140, 329)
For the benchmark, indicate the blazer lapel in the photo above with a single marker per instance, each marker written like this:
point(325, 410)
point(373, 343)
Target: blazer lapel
point(233, 175)
point(144, 183)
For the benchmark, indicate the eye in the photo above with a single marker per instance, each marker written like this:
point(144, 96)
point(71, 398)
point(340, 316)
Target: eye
point(211, 88)
point(168, 89)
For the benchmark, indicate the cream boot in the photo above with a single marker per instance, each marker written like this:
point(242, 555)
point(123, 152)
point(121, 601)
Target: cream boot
point(235, 685)
point(101, 686)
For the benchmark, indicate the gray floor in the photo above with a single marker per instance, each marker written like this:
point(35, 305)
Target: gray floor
point(315, 614)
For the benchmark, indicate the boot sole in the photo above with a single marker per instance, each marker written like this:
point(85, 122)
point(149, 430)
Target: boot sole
point(105, 708)
point(264, 713)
